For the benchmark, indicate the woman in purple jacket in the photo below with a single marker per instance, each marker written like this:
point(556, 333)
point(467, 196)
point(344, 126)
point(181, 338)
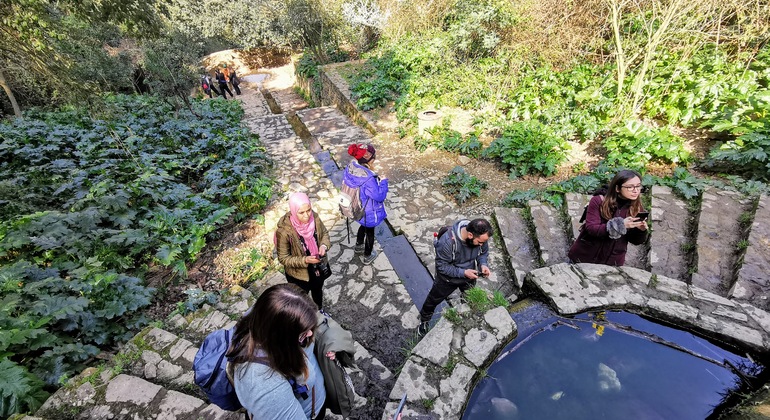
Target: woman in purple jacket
point(611, 223)
point(372, 192)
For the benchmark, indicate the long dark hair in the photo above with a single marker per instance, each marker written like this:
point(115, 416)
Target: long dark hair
point(273, 327)
point(610, 203)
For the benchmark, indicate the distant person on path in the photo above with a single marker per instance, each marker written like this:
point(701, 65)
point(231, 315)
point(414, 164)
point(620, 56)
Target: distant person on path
point(372, 193)
point(302, 240)
point(272, 345)
point(461, 258)
point(235, 81)
point(222, 81)
point(611, 222)
point(206, 85)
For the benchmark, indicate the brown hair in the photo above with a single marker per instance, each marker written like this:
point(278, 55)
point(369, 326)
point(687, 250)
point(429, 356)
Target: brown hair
point(273, 326)
point(610, 203)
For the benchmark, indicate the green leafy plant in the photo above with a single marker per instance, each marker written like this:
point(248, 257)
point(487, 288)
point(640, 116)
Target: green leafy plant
point(195, 299)
point(635, 144)
point(748, 155)
point(528, 147)
point(106, 195)
point(462, 185)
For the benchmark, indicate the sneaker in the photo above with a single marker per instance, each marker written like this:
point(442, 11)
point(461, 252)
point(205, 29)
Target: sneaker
point(323, 311)
point(423, 329)
point(359, 249)
point(368, 259)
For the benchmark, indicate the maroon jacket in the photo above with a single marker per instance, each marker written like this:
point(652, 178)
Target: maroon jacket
point(594, 245)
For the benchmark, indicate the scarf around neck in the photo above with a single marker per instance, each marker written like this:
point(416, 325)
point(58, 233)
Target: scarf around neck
point(305, 230)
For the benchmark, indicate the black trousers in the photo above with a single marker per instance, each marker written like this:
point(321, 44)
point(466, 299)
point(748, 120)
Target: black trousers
point(313, 287)
point(366, 236)
point(223, 88)
point(442, 288)
point(236, 88)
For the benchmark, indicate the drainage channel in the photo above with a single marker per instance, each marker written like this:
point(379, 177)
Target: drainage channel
point(402, 256)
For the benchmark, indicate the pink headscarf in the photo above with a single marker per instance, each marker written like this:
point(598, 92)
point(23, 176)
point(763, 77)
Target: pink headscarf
point(305, 230)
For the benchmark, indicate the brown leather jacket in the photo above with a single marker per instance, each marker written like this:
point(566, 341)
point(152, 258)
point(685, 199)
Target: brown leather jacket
point(291, 253)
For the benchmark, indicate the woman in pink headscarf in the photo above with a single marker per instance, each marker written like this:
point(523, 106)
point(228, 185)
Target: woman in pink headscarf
point(301, 239)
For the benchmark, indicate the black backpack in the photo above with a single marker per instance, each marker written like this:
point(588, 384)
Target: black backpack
point(439, 234)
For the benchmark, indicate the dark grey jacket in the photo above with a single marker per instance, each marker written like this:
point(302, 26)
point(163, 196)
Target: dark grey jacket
point(453, 256)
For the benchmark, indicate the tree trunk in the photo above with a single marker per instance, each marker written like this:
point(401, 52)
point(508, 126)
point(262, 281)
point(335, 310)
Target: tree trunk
point(7, 89)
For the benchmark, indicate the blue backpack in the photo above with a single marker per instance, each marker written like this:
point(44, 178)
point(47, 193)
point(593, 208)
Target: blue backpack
point(210, 370)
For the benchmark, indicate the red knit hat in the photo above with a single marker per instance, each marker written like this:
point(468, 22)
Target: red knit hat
point(363, 153)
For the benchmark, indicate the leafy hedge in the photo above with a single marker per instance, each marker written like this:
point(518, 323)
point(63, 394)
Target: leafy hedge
point(86, 204)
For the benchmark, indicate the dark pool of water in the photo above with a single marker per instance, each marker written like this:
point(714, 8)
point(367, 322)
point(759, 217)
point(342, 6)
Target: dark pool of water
point(611, 365)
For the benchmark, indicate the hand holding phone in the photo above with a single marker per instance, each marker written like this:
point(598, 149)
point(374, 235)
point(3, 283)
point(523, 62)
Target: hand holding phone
point(642, 215)
point(400, 407)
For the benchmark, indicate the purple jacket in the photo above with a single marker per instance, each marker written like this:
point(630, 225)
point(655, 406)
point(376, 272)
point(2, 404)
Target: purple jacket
point(594, 245)
point(372, 192)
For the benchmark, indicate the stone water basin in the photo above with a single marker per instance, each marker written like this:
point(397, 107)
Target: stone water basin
point(607, 365)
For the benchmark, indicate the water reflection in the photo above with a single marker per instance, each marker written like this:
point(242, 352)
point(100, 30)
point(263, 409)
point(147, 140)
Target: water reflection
point(255, 78)
point(611, 365)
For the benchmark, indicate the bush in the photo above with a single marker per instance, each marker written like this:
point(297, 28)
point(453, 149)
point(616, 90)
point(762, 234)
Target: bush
point(635, 144)
point(462, 185)
point(529, 147)
point(748, 155)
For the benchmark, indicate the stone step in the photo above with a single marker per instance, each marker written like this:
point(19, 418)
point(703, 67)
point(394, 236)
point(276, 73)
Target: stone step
point(576, 203)
point(670, 239)
point(253, 103)
point(334, 131)
point(550, 233)
point(753, 282)
point(92, 395)
point(521, 251)
point(288, 100)
point(719, 232)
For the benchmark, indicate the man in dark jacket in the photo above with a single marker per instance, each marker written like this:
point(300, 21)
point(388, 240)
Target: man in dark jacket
point(461, 258)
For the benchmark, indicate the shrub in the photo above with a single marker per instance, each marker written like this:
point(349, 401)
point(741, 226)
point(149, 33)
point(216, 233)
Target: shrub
point(462, 185)
point(635, 144)
point(747, 155)
point(529, 147)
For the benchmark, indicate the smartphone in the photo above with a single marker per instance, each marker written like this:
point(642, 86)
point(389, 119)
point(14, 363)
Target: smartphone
point(642, 215)
point(400, 407)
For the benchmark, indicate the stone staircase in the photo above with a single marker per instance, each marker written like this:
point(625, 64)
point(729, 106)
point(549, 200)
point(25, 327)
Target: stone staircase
point(713, 247)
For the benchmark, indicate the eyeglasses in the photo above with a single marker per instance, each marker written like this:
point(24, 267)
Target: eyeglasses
point(632, 187)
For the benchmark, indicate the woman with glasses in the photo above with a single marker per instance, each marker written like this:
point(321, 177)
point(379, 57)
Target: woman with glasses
point(611, 222)
point(301, 240)
point(271, 360)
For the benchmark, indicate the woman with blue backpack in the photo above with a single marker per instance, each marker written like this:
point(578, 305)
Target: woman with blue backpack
point(271, 361)
point(372, 193)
